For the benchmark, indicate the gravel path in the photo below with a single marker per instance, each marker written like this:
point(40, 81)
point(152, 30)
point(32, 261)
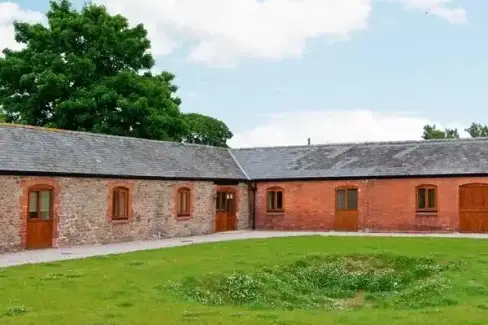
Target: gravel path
point(58, 254)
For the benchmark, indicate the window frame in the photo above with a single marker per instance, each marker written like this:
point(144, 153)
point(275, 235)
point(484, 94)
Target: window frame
point(346, 189)
point(275, 209)
point(38, 189)
point(115, 202)
point(426, 187)
point(180, 192)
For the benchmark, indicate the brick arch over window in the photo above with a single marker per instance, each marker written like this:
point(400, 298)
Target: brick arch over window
point(37, 185)
point(183, 194)
point(120, 201)
point(275, 199)
point(183, 202)
point(426, 198)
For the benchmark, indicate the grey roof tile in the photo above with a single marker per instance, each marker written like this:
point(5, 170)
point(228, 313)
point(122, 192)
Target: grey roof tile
point(380, 159)
point(30, 149)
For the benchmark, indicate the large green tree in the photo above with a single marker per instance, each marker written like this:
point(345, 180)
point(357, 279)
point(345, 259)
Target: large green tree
point(88, 70)
point(203, 129)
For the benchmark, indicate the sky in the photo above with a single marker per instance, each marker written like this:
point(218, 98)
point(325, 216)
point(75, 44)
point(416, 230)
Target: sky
point(278, 72)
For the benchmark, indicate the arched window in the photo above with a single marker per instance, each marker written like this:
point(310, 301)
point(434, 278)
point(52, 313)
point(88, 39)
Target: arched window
point(346, 198)
point(275, 200)
point(40, 202)
point(183, 207)
point(426, 198)
point(120, 203)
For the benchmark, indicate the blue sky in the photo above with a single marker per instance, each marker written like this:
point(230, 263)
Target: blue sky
point(348, 70)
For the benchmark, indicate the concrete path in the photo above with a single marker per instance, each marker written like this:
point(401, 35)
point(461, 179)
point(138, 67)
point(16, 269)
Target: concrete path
point(58, 254)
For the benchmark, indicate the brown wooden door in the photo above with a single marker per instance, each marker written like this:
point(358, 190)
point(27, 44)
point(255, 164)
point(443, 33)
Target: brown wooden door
point(225, 218)
point(473, 208)
point(346, 212)
point(39, 219)
point(39, 234)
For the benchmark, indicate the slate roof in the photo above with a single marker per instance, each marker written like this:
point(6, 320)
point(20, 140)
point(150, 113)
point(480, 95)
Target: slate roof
point(31, 149)
point(38, 150)
point(363, 160)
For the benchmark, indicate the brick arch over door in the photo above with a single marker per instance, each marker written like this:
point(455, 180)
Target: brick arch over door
point(473, 208)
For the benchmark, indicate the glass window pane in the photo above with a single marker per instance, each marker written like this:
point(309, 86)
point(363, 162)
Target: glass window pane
point(184, 201)
point(115, 204)
point(45, 204)
point(271, 200)
point(33, 196)
point(340, 199)
point(223, 200)
point(421, 198)
point(179, 203)
point(432, 204)
point(217, 202)
point(279, 200)
point(230, 202)
point(123, 204)
point(352, 199)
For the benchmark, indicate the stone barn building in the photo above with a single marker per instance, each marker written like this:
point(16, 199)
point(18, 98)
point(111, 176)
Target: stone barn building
point(63, 188)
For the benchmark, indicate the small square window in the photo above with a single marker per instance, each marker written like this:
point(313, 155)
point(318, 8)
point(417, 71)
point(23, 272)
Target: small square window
point(275, 200)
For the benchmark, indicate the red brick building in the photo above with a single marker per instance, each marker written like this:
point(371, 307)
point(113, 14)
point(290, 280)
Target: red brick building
point(62, 188)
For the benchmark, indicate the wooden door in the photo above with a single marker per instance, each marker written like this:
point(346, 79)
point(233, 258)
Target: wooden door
point(473, 208)
point(39, 219)
point(346, 211)
point(225, 218)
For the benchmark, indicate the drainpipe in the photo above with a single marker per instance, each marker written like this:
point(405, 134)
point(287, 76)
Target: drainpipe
point(253, 188)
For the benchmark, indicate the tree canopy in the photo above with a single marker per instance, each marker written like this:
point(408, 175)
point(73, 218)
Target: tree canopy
point(206, 130)
point(432, 132)
point(475, 131)
point(89, 71)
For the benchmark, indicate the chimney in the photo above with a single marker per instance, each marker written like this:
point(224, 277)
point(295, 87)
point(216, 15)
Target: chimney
point(308, 141)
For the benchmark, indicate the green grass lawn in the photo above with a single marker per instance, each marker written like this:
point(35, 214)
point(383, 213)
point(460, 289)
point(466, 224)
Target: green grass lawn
point(445, 281)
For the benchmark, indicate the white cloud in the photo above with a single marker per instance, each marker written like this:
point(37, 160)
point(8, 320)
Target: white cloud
point(453, 15)
point(10, 12)
point(223, 31)
point(293, 128)
point(441, 8)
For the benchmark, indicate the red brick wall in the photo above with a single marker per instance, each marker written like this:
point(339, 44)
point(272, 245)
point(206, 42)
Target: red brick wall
point(384, 205)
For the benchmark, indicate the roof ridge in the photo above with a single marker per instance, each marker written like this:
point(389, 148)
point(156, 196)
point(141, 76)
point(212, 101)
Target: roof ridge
point(358, 143)
point(46, 129)
point(238, 164)
point(365, 143)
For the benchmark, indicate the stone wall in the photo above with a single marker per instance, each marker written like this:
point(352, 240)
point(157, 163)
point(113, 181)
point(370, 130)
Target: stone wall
point(10, 222)
point(83, 209)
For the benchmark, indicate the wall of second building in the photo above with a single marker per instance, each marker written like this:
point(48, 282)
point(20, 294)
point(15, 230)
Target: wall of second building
point(383, 205)
point(82, 210)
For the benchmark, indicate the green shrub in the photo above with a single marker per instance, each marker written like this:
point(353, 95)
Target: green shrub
point(328, 282)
